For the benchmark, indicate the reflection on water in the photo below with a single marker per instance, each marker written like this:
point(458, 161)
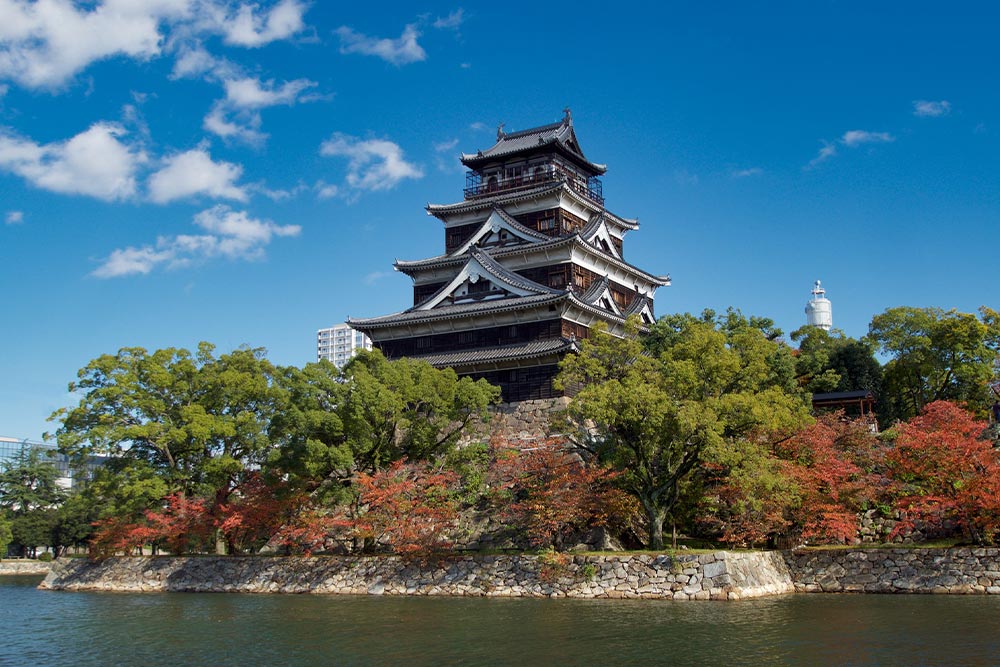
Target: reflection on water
point(59, 628)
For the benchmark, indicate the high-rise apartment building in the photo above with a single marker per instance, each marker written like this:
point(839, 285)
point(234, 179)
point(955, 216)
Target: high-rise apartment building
point(339, 343)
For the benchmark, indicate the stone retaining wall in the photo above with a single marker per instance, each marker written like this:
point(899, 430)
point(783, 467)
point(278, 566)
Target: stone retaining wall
point(24, 567)
point(717, 576)
point(956, 571)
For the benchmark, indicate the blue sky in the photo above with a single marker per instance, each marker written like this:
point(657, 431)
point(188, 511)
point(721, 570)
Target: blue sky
point(174, 171)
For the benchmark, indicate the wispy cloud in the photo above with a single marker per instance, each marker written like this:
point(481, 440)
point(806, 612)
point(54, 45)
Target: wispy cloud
point(850, 139)
point(451, 22)
point(853, 138)
point(400, 51)
point(227, 233)
point(193, 173)
point(445, 146)
point(96, 162)
point(747, 173)
point(372, 164)
point(237, 115)
point(685, 177)
point(929, 109)
point(376, 276)
point(14, 217)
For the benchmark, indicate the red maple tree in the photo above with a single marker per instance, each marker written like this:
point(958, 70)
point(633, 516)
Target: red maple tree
point(947, 474)
point(408, 508)
point(546, 492)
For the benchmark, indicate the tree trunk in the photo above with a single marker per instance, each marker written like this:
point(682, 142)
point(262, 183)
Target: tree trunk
point(654, 524)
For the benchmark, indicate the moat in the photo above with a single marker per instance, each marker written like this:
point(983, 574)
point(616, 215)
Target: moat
point(153, 629)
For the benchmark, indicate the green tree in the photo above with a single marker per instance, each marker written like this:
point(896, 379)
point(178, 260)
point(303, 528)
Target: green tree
point(936, 355)
point(200, 422)
point(373, 414)
point(28, 481)
point(655, 412)
point(34, 529)
point(6, 536)
point(830, 361)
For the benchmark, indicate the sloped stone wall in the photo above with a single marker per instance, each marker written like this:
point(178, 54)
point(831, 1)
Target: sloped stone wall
point(956, 571)
point(717, 576)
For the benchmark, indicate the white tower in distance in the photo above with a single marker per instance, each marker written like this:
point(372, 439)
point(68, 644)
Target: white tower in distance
point(818, 310)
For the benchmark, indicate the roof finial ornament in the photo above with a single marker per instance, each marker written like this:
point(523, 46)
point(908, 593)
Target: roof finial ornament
point(500, 133)
point(567, 116)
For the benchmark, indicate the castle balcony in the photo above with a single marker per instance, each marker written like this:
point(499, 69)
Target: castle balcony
point(591, 188)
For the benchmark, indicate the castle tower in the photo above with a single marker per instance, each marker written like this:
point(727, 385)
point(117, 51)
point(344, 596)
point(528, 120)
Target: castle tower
point(819, 312)
point(532, 259)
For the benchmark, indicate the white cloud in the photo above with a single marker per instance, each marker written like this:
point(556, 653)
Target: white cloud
point(400, 51)
point(373, 164)
point(850, 139)
point(928, 109)
point(854, 138)
point(194, 173)
point(229, 234)
point(237, 116)
point(14, 217)
point(250, 28)
point(450, 22)
point(746, 173)
point(685, 177)
point(445, 146)
point(93, 163)
point(326, 190)
point(3, 90)
point(43, 44)
point(278, 194)
point(250, 93)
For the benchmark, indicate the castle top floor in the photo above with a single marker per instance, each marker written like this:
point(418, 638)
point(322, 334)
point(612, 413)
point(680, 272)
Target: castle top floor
point(532, 157)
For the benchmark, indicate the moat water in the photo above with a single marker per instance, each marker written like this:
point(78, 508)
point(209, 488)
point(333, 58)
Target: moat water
point(54, 628)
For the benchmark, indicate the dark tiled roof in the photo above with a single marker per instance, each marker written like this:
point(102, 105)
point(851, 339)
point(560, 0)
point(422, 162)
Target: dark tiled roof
point(457, 310)
point(498, 271)
point(507, 196)
point(842, 395)
point(499, 253)
point(559, 134)
point(503, 353)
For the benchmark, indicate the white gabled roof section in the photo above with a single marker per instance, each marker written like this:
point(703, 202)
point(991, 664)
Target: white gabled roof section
point(481, 267)
point(598, 235)
point(599, 294)
point(490, 232)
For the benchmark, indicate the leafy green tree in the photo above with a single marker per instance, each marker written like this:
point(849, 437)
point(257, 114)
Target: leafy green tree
point(655, 412)
point(28, 481)
point(375, 413)
point(6, 536)
point(830, 361)
point(34, 529)
point(936, 355)
point(200, 422)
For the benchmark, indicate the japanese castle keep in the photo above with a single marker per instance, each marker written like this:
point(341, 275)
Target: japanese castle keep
point(532, 259)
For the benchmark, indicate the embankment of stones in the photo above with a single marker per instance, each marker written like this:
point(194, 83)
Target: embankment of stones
point(24, 567)
point(716, 576)
point(954, 571)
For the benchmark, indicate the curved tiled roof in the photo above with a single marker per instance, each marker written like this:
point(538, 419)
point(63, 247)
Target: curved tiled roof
point(558, 135)
point(520, 351)
point(501, 252)
point(412, 316)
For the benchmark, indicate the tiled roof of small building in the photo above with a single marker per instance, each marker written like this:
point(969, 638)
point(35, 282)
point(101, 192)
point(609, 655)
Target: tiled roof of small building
point(516, 352)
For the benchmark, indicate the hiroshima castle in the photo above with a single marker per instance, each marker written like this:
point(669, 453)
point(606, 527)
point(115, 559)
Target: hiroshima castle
point(532, 259)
